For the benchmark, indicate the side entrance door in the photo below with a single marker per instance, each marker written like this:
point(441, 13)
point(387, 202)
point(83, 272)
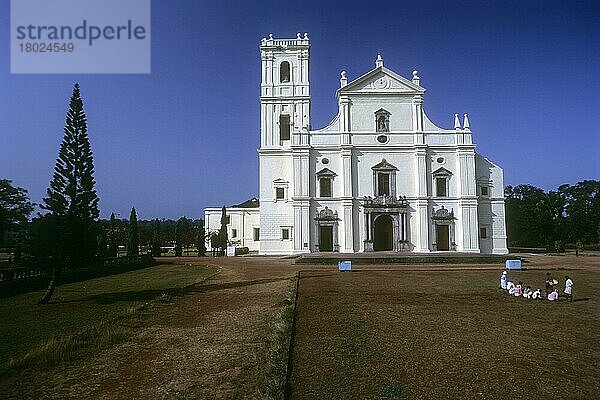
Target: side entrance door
point(443, 238)
point(326, 238)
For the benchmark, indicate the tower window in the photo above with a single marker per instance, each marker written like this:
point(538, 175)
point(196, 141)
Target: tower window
point(256, 234)
point(483, 233)
point(484, 191)
point(284, 127)
point(279, 193)
point(284, 72)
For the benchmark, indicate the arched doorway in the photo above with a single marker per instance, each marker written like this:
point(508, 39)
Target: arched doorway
point(383, 230)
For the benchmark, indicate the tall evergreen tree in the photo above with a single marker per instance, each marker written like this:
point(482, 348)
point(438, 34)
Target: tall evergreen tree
point(178, 237)
point(72, 199)
point(133, 241)
point(15, 207)
point(156, 238)
point(223, 238)
point(201, 240)
point(113, 247)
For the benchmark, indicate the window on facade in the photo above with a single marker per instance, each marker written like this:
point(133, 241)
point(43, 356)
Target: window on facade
point(325, 187)
point(483, 233)
point(279, 193)
point(383, 184)
point(256, 234)
point(484, 191)
point(285, 233)
point(284, 127)
point(441, 187)
point(284, 72)
point(234, 233)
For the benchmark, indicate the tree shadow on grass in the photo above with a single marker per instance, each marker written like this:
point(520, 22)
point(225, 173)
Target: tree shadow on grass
point(151, 294)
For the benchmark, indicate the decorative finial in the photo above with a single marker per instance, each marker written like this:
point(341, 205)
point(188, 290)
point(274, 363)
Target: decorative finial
point(270, 36)
point(298, 35)
point(466, 123)
point(306, 35)
point(416, 80)
point(343, 79)
point(379, 62)
point(456, 121)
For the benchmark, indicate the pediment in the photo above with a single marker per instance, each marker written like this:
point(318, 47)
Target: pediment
point(441, 172)
point(326, 172)
point(382, 80)
point(384, 165)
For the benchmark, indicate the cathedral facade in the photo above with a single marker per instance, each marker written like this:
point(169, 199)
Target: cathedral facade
point(379, 177)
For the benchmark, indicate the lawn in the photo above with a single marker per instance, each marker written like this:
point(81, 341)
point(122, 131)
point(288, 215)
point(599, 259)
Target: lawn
point(179, 330)
point(443, 334)
point(88, 307)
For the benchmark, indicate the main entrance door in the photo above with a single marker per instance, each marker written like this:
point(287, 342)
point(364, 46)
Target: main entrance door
point(443, 238)
point(383, 233)
point(326, 238)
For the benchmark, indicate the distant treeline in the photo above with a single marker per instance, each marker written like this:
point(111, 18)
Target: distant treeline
point(569, 215)
point(146, 231)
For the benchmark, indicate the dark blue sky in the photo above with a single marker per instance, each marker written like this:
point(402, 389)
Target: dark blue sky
point(185, 136)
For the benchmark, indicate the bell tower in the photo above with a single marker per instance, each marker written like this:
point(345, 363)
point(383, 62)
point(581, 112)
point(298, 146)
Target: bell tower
point(284, 90)
point(284, 151)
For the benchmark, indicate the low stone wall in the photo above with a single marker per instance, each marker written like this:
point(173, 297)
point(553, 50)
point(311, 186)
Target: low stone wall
point(33, 275)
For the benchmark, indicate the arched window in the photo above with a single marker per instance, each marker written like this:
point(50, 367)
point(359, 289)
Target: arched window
point(284, 72)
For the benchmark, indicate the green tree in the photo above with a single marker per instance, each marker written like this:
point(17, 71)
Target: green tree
point(133, 241)
point(201, 240)
point(582, 211)
point(113, 247)
point(156, 238)
point(72, 199)
point(15, 208)
point(223, 238)
point(533, 217)
point(102, 243)
point(178, 245)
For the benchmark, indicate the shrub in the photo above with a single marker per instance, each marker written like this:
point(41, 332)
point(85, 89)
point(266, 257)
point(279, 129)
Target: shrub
point(241, 250)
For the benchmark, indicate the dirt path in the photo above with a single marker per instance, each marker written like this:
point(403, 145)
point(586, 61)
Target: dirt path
point(209, 344)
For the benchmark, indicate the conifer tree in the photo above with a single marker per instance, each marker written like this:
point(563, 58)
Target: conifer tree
point(156, 238)
point(72, 200)
point(178, 234)
point(201, 240)
point(223, 231)
point(133, 241)
point(113, 248)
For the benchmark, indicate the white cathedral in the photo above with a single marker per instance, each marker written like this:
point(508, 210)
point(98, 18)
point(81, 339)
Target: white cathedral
point(380, 177)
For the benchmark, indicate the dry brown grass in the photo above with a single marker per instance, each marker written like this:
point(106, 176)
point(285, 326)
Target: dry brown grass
point(224, 339)
point(443, 335)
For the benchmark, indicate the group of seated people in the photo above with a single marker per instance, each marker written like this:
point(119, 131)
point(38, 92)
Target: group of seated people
point(519, 290)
